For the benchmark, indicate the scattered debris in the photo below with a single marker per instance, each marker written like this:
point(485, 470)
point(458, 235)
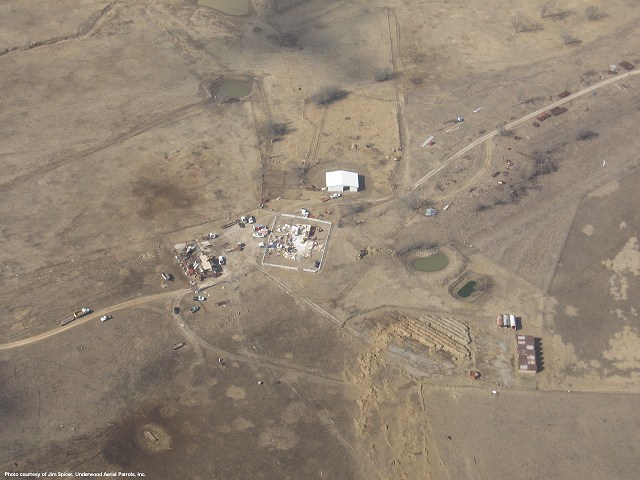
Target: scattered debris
point(476, 110)
point(474, 375)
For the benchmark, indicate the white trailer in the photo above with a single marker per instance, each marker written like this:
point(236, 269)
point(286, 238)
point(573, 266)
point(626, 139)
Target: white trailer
point(512, 321)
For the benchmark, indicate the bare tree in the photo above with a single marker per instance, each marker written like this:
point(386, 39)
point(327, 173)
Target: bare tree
point(517, 21)
point(569, 39)
point(523, 23)
point(546, 9)
point(594, 13)
point(586, 134)
point(277, 130)
point(385, 75)
point(328, 95)
point(413, 201)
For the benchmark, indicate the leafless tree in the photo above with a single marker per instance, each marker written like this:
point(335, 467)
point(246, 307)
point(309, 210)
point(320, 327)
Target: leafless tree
point(328, 95)
point(546, 9)
point(523, 23)
point(586, 134)
point(594, 13)
point(385, 75)
point(517, 21)
point(569, 39)
point(277, 130)
point(413, 201)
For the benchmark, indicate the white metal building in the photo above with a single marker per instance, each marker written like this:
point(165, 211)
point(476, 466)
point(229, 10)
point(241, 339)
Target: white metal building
point(342, 181)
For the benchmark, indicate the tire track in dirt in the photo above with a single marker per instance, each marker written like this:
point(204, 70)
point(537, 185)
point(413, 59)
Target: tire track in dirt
point(255, 360)
point(54, 165)
point(486, 164)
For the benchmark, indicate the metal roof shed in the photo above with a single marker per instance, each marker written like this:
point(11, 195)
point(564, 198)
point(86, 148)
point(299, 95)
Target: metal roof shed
point(342, 181)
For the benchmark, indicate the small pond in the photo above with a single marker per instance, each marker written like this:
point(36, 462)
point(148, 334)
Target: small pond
point(468, 289)
point(232, 90)
point(432, 263)
point(230, 7)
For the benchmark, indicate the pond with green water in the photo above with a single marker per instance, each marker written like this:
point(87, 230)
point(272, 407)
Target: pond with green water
point(432, 263)
point(468, 289)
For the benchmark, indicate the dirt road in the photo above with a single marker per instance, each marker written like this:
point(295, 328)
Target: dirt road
point(492, 134)
point(92, 316)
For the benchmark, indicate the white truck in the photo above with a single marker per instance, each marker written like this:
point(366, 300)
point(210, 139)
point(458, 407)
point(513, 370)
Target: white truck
point(77, 314)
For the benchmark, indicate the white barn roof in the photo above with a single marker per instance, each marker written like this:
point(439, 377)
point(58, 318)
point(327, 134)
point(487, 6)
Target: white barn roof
point(340, 180)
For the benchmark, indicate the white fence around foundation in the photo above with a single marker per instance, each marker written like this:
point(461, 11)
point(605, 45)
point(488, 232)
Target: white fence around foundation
point(324, 250)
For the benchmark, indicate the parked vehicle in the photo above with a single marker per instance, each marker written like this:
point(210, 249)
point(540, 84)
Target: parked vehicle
point(176, 310)
point(335, 195)
point(82, 312)
point(77, 314)
point(194, 309)
point(199, 298)
point(104, 318)
point(222, 260)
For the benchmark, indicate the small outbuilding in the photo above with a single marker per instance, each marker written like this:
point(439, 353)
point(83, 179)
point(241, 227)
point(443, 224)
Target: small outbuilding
point(342, 181)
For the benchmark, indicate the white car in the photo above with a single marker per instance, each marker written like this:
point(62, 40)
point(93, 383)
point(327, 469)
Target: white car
point(335, 195)
point(104, 318)
point(199, 298)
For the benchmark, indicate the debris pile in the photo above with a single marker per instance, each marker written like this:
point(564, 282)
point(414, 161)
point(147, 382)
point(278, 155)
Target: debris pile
point(197, 260)
point(294, 242)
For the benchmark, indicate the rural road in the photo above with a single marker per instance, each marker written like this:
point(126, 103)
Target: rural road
point(93, 316)
point(508, 126)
